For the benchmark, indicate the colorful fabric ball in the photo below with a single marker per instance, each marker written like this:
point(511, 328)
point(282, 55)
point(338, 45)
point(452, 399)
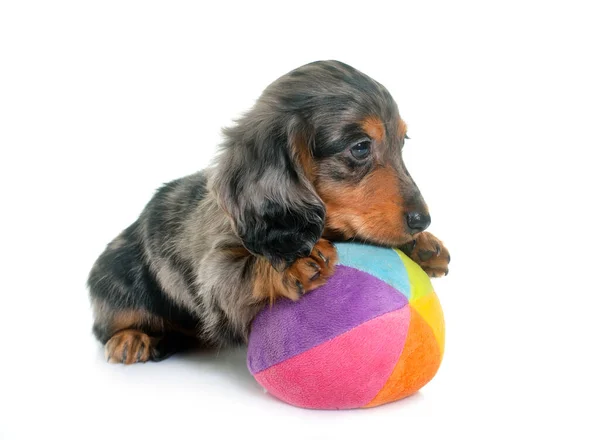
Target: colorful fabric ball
point(372, 335)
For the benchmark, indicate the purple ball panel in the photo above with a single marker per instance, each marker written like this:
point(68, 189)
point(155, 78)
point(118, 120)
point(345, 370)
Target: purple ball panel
point(289, 328)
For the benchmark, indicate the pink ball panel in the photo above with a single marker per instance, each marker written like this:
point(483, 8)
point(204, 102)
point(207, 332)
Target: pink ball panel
point(352, 367)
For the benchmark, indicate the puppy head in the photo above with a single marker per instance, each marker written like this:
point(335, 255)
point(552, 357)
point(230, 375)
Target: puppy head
point(320, 152)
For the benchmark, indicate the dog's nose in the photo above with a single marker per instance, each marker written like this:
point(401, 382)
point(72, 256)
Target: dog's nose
point(417, 221)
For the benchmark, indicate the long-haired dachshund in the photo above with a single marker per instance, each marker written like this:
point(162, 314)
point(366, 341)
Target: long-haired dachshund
point(318, 158)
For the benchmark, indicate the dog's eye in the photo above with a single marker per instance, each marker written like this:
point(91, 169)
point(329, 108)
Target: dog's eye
point(361, 150)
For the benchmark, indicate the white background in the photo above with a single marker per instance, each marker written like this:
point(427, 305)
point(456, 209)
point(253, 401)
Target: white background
point(101, 102)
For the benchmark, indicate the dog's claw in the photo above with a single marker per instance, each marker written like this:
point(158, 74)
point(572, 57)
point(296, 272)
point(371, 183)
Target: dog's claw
point(125, 351)
point(140, 352)
point(322, 257)
point(317, 269)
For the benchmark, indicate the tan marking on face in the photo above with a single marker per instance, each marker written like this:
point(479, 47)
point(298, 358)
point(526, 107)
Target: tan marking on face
point(374, 127)
point(370, 210)
point(305, 159)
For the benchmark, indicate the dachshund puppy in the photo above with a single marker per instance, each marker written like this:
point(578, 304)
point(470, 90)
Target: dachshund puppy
point(318, 158)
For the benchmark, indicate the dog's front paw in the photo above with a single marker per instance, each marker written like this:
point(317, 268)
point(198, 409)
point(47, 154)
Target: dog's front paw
point(429, 253)
point(308, 273)
point(303, 275)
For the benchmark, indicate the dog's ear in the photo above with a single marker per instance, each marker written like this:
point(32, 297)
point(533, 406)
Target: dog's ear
point(263, 181)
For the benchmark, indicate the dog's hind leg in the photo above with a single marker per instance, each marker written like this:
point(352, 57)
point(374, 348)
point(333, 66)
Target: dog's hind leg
point(134, 319)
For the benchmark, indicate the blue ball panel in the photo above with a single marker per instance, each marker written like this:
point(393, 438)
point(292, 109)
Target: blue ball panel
point(383, 263)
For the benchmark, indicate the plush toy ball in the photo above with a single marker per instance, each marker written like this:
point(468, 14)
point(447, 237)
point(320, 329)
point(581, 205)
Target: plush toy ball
point(372, 335)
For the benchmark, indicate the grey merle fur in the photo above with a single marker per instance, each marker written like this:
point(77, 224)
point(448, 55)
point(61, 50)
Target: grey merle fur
point(180, 261)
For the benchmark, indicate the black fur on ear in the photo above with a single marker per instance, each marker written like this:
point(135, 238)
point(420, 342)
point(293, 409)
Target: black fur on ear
point(261, 182)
